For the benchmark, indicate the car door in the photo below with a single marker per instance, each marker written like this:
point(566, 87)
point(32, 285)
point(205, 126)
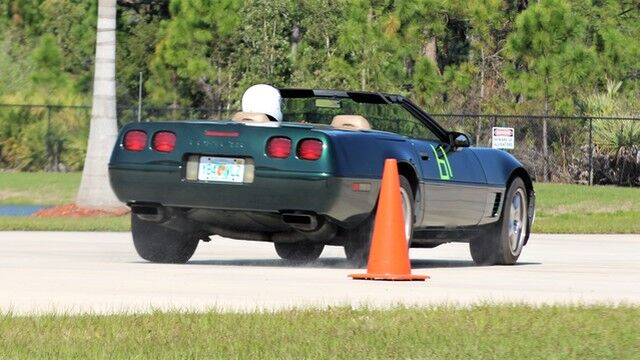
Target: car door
point(453, 185)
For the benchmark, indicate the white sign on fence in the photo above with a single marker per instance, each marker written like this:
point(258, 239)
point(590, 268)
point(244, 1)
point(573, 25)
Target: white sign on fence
point(502, 138)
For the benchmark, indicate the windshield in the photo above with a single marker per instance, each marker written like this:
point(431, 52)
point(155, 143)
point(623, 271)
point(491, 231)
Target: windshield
point(383, 117)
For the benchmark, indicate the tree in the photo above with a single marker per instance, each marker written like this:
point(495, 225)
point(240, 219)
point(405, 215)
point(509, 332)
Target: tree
point(419, 27)
point(488, 26)
point(549, 59)
point(364, 58)
point(47, 62)
point(138, 32)
point(475, 85)
point(48, 80)
point(315, 21)
point(613, 30)
point(263, 54)
point(73, 24)
point(95, 190)
point(192, 64)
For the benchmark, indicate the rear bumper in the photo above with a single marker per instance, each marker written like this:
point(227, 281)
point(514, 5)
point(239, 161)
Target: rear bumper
point(271, 191)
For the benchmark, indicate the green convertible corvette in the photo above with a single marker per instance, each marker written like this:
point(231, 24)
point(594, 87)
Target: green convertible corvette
point(313, 180)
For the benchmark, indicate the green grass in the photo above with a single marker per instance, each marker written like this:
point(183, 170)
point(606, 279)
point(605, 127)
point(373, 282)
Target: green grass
point(563, 208)
point(494, 332)
point(26, 223)
point(600, 223)
point(38, 188)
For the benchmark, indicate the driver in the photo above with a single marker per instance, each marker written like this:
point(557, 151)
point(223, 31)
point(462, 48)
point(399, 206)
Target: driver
point(263, 99)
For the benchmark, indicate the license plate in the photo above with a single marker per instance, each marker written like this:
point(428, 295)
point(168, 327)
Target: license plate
point(221, 169)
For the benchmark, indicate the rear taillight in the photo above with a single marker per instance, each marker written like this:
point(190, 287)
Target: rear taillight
point(279, 147)
point(135, 140)
point(310, 149)
point(164, 141)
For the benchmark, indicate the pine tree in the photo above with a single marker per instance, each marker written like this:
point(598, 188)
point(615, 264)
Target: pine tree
point(192, 63)
point(47, 76)
point(549, 59)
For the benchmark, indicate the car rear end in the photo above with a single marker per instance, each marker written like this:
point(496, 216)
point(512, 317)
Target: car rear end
point(234, 168)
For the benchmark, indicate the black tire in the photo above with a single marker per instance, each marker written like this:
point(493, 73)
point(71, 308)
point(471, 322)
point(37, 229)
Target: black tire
point(502, 244)
point(358, 240)
point(159, 244)
point(299, 251)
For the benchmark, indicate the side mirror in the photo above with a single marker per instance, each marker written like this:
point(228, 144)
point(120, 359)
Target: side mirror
point(459, 140)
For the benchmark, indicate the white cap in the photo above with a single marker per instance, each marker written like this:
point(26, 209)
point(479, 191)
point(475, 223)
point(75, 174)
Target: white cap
point(264, 99)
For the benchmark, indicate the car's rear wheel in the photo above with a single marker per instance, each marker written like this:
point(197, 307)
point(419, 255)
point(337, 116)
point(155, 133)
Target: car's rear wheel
point(159, 244)
point(358, 240)
point(299, 251)
point(502, 245)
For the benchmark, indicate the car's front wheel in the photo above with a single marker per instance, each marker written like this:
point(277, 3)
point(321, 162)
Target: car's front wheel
point(299, 251)
point(159, 244)
point(358, 240)
point(502, 245)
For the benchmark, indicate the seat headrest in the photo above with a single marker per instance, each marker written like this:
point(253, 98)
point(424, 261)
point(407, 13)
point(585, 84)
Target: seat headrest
point(350, 122)
point(250, 117)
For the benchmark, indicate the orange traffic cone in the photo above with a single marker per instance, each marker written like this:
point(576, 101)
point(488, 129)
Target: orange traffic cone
point(389, 255)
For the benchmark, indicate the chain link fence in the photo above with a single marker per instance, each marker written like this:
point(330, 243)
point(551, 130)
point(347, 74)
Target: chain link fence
point(147, 113)
point(43, 137)
point(586, 150)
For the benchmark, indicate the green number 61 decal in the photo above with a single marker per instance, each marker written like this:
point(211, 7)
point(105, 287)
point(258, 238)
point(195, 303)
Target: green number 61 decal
point(443, 164)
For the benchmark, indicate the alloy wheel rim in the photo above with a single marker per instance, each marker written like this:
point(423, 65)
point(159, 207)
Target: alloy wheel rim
point(517, 221)
point(406, 213)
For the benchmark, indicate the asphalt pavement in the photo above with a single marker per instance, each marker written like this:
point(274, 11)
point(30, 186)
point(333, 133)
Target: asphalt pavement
point(73, 272)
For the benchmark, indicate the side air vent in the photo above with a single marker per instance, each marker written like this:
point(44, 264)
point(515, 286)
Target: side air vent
point(496, 205)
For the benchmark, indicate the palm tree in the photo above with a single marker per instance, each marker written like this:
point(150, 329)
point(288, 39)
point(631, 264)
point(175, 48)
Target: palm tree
point(95, 191)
